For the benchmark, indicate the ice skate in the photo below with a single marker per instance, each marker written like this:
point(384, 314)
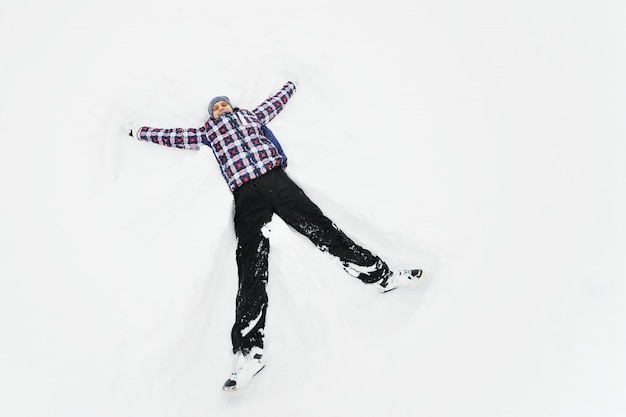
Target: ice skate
point(398, 278)
point(247, 365)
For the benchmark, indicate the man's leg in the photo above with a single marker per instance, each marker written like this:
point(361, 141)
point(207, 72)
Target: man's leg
point(252, 211)
point(297, 210)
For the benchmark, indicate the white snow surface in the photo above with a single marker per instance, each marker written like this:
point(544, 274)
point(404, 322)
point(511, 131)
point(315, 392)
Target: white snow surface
point(483, 141)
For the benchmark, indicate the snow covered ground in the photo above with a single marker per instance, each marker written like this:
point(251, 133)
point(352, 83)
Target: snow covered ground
point(483, 141)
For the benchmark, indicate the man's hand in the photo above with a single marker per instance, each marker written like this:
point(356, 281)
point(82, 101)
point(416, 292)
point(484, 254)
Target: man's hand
point(130, 128)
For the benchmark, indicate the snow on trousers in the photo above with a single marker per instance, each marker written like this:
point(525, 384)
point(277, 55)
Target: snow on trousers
point(255, 203)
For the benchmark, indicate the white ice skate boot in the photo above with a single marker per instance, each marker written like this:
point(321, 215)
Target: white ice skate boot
point(247, 365)
point(398, 278)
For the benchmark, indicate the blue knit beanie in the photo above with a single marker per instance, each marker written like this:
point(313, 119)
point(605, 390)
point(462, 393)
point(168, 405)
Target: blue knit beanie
point(215, 100)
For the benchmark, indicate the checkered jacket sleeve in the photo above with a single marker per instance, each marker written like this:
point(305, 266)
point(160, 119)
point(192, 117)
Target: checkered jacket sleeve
point(179, 138)
point(267, 110)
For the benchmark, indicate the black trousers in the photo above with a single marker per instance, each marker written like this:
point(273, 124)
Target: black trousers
point(255, 203)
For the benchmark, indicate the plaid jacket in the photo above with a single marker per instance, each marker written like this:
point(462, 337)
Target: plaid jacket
point(237, 139)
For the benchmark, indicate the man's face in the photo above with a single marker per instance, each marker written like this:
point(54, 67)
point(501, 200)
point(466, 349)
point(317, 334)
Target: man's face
point(220, 108)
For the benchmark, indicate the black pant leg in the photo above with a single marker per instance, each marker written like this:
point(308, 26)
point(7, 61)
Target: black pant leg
point(298, 211)
point(253, 210)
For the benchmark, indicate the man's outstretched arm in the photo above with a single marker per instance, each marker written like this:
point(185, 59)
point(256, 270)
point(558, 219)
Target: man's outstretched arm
point(267, 110)
point(189, 138)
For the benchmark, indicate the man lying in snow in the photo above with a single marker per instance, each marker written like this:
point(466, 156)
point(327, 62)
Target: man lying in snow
point(253, 165)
